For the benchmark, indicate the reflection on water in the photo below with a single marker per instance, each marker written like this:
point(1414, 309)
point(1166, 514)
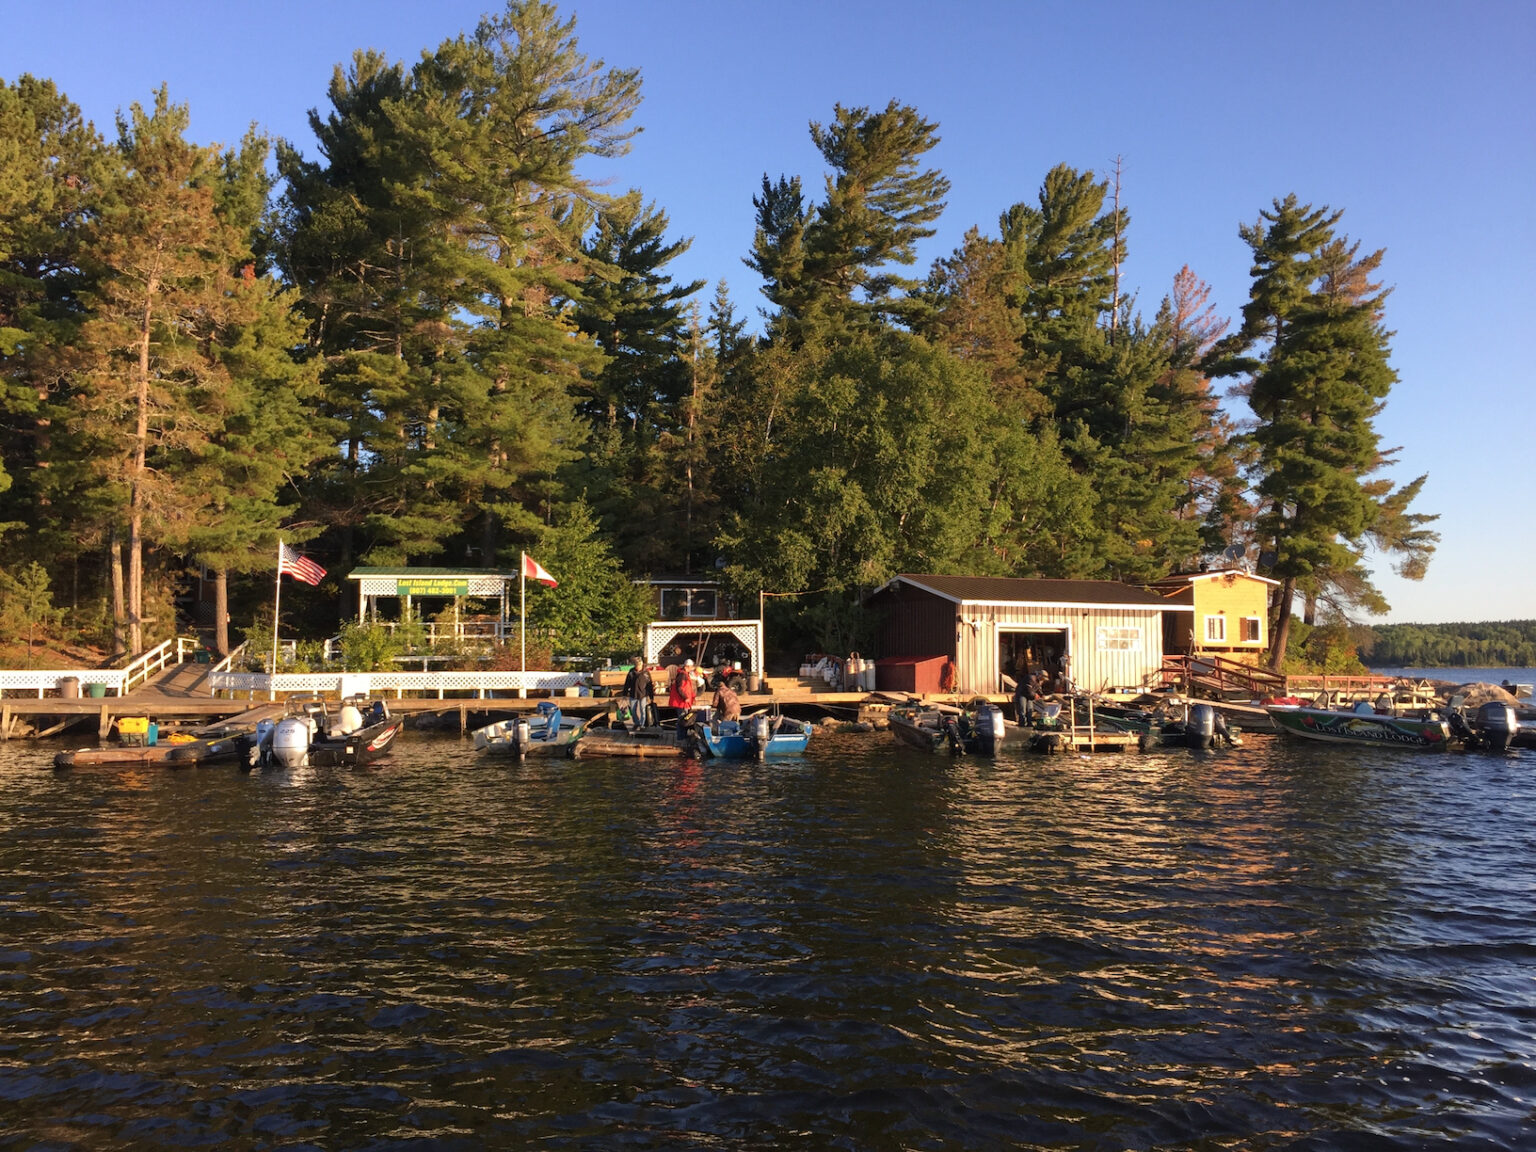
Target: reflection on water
point(1277, 946)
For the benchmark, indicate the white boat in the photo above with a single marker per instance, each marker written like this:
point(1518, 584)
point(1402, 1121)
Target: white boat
point(548, 732)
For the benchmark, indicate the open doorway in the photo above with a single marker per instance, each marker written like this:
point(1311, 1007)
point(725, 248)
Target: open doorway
point(1039, 652)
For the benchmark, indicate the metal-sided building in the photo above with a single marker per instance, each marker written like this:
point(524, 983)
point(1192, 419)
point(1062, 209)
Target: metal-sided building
point(1098, 633)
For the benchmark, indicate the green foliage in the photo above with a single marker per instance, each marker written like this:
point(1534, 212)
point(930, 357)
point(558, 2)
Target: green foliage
point(595, 610)
point(26, 604)
point(370, 647)
point(1495, 644)
point(1330, 649)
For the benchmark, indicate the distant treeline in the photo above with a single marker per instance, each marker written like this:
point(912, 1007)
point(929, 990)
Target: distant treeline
point(1497, 644)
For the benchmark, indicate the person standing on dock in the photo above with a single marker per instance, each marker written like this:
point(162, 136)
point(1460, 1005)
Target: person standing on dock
point(947, 675)
point(637, 690)
point(681, 694)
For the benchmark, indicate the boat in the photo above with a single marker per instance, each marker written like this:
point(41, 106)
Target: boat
point(977, 728)
point(177, 750)
point(658, 740)
point(548, 732)
point(1360, 725)
point(758, 736)
point(311, 736)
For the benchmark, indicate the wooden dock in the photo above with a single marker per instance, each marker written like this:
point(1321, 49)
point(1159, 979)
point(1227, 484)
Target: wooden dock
point(177, 699)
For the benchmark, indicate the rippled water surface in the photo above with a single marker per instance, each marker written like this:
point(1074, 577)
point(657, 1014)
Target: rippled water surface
point(1277, 946)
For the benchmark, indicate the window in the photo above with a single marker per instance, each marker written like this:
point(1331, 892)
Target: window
point(1253, 629)
point(677, 603)
point(1216, 629)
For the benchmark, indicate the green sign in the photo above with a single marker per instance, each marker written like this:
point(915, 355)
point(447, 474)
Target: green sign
point(432, 587)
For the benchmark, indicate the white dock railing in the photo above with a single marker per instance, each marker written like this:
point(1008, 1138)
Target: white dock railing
point(475, 684)
point(113, 681)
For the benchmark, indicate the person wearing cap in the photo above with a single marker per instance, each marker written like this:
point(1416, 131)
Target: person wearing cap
point(681, 692)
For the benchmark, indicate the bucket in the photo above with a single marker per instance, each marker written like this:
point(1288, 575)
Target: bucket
point(752, 682)
point(96, 691)
point(69, 687)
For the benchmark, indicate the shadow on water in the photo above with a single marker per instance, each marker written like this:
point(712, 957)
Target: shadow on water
point(1277, 946)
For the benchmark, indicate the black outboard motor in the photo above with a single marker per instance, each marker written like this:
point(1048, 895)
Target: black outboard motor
point(1497, 725)
point(1200, 729)
point(956, 740)
point(989, 729)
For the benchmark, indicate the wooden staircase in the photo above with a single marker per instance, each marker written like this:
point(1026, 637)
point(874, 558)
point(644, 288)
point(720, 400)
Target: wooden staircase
point(1218, 678)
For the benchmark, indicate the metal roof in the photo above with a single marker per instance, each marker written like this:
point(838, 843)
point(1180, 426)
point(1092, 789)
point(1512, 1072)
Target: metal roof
point(1055, 593)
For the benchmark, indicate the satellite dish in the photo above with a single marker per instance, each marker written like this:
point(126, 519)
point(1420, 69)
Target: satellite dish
point(1235, 552)
point(1267, 559)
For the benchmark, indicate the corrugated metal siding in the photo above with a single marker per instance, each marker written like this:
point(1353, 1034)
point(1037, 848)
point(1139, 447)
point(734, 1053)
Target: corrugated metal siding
point(1093, 667)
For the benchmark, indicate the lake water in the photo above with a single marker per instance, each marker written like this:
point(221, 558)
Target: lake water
point(1463, 675)
point(1279, 946)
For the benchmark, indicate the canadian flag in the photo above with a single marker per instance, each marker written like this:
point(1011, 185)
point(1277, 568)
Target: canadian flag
point(533, 570)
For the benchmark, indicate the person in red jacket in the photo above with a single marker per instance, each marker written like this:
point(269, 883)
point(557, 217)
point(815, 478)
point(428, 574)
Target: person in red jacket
point(681, 693)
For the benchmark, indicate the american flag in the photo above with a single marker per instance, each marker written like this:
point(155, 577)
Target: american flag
point(299, 567)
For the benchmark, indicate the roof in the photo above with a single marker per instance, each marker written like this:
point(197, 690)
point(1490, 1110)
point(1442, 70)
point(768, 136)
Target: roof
point(1182, 578)
point(1036, 593)
point(428, 573)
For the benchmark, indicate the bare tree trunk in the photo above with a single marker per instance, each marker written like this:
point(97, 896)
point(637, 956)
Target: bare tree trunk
point(119, 609)
point(221, 611)
point(1282, 624)
point(137, 480)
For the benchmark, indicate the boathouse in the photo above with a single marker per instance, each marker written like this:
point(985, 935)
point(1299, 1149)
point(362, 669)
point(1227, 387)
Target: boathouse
point(1098, 634)
point(697, 620)
point(1229, 612)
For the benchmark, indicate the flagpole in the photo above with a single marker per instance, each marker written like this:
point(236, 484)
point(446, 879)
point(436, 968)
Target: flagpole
point(522, 612)
point(277, 600)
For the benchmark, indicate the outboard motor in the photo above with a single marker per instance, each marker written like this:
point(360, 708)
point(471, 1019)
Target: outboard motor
point(522, 733)
point(290, 741)
point(1223, 733)
point(762, 733)
point(1497, 725)
point(956, 740)
point(989, 729)
point(1201, 726)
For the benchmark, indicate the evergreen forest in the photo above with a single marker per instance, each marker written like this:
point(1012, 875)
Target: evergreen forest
point(1501, 644)
point(447, 333)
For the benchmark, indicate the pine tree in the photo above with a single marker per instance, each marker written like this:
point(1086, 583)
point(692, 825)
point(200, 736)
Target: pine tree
point(440, 250)
point(162, 263)
point(1317, 359)
point(830, 269)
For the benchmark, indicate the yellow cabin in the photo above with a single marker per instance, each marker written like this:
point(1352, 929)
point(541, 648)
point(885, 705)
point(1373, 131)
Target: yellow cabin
point(1230, 617)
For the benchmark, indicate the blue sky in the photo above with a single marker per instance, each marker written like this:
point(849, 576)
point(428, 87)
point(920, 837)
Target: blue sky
point(1414, 117)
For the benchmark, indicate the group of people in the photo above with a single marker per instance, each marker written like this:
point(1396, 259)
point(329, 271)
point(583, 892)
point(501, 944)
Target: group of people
point(683, 685)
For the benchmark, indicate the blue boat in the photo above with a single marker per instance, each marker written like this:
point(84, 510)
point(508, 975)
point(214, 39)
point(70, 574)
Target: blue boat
point(758, 737)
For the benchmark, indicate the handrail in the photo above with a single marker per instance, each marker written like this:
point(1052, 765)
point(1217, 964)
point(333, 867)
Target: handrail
point(227, 663)
point(139, 671)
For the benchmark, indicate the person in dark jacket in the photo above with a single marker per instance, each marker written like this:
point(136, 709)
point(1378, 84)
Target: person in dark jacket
point(637, 690)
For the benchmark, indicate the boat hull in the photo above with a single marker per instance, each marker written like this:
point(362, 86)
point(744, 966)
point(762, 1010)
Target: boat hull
point(169, 755)
point(742, 746)
point(1359, 728)
point(643, 742)
point(501, 741)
